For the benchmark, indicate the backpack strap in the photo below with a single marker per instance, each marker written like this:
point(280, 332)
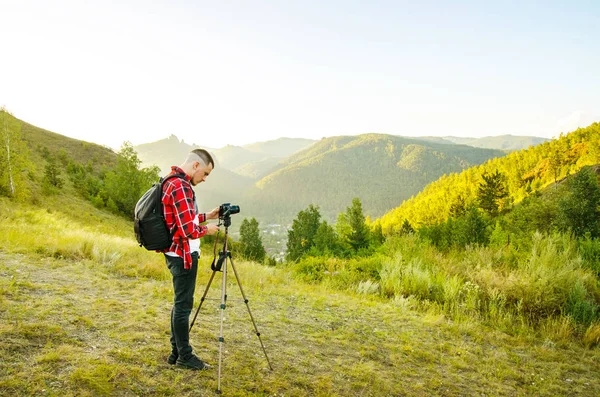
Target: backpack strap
point(166, 178)
point(162, 183)
point(159, 206)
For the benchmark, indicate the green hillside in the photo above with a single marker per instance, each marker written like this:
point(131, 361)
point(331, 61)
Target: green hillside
point(382, 170)
point(524, 172)
point(80, 151)
point(36, 163)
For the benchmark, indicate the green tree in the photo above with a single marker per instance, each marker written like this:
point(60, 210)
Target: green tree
point(301, 235)
point(355, 230)
point(126, 182)
point(251, 246)
point(556, 161)
point(437, 234)
point(377, 236)
point(579, 210)
point(13, 156)
point(52, 180)
point(325, 240)
point(490, 192)
point(469, 229)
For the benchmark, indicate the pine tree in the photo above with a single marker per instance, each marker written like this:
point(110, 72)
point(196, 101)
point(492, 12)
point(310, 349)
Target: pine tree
point(556, 161)
point(325, 239)
point(251, 246)
point(358, 236)
point(490, 192)
point(52, 180)
point(459, 207)
point(406, 228)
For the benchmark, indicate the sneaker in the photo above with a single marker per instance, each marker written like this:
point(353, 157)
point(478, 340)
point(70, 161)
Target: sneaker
point(172, 359)
point(192, 362)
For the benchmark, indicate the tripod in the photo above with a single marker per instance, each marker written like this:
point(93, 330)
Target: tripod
point(221, 265)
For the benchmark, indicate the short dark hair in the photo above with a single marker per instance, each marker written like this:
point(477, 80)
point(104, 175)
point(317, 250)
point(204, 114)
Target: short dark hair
point(205, 156)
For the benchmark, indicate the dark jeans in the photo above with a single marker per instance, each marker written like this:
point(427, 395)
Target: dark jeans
point(184, 284)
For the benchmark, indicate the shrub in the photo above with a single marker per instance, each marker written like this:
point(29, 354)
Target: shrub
point(552, 281)
point(412, 278)
point(390, 276)
point(311, 268)
point(366, 267)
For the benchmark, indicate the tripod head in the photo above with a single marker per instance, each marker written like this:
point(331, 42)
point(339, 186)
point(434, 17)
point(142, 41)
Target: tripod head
point(225, 212)
point(226, 222)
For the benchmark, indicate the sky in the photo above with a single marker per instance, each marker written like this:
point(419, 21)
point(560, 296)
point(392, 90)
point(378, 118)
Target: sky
point(215, 73)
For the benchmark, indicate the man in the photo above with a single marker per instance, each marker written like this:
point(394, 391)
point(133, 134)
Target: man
point(183, 220)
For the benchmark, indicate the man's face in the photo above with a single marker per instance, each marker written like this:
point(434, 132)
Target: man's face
point(200, 172)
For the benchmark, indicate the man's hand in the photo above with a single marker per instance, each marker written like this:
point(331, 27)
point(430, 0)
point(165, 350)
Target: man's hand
point(212, 228)
point(214, 214)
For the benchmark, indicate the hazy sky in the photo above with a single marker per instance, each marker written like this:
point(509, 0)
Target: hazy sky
point(235, 72)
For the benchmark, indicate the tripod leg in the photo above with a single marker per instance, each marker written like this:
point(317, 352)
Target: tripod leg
point(203, 297)
point(250, 312)
point(223, 305)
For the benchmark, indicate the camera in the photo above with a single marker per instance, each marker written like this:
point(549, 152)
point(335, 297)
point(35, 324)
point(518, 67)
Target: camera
point(226, 210)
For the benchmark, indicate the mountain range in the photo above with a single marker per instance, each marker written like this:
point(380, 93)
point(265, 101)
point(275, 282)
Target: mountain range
point(274, 180)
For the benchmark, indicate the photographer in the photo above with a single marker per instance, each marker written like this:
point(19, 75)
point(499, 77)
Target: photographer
point(182, 218)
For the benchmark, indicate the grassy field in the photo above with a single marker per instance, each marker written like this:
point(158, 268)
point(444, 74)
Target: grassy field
point(84, 312)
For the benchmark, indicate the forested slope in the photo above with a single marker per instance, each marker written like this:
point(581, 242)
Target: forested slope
point(523, 172)
point(382, 170)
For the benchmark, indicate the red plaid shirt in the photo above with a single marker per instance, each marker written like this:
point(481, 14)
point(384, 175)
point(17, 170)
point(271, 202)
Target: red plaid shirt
point(179, 207)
